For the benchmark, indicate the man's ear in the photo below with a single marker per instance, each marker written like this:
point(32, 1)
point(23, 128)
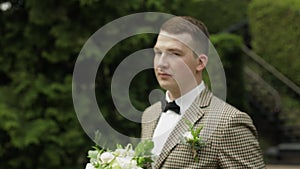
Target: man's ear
point(202, 62)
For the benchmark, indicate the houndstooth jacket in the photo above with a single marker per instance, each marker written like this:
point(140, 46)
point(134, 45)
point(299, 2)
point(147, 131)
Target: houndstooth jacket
point(230, 137)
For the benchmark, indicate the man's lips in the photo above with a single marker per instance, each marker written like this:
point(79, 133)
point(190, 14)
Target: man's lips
point(164, 74)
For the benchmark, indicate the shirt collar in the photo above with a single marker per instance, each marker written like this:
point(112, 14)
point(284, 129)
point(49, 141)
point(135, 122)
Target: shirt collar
point(187, 99)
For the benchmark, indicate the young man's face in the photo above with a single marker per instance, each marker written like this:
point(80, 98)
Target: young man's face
point(177, 69)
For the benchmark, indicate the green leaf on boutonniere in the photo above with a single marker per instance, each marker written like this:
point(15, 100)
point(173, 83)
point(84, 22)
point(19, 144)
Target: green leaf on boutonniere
point(193, 139)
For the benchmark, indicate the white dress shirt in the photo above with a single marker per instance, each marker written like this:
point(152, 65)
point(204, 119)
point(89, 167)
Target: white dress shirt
point(169, 119)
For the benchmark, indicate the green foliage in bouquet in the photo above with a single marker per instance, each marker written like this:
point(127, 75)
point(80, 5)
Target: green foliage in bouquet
point(122, 157)
point(142, 150)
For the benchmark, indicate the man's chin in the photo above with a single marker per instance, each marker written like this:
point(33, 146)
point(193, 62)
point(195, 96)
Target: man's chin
point(167, 86)
point(164, 86)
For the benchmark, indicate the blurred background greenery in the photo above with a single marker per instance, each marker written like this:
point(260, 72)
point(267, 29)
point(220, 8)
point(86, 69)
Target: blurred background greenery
point(257, 40)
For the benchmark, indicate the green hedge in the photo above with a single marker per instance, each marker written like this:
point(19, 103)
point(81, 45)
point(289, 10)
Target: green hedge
point(275, 30)
point(228, 47)
point(40, 43)
point(217, 14)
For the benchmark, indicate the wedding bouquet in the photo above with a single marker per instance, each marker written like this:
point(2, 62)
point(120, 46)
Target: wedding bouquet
point(122, 157)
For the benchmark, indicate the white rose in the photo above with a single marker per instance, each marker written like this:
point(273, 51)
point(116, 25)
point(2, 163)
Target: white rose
point(124, 163)
point(89, 166)
point(188, 136)
point(124, 152)
point(107, 157)
point(130, 153)
point(120, 152)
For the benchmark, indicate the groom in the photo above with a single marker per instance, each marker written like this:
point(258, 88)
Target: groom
point(181, 55)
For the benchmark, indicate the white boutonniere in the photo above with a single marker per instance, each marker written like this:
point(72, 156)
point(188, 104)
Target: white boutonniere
point(192, 139)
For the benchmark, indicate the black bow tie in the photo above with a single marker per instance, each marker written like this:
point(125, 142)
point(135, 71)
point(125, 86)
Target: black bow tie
point(172, 106)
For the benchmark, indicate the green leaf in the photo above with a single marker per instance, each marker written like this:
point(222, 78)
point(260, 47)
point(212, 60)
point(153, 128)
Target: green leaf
point(144, 148)
point(92, 153)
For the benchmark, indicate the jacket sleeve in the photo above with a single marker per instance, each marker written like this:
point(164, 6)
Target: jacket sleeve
point(239, 147)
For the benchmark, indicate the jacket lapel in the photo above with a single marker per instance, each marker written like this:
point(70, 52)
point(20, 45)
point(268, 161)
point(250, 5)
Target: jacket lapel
point(192, 114)
point(150, 120)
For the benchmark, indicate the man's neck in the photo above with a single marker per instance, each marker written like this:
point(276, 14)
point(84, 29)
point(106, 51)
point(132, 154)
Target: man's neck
point(184, 101)
point(175, 94)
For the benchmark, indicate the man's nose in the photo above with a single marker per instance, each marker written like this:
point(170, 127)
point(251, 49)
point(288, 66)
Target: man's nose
point(163, 60)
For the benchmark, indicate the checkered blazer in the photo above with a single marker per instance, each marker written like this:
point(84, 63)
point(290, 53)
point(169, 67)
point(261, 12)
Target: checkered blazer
point(230, 136)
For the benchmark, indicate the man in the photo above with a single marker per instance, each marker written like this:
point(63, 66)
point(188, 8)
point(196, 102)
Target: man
point(229, 135)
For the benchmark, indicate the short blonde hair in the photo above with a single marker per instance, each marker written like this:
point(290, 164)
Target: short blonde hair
point(192, 26)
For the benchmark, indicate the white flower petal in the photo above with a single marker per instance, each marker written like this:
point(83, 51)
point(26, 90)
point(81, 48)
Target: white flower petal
point(89, 166)
point(5, 6)
point(107, 157)
point(188, 136)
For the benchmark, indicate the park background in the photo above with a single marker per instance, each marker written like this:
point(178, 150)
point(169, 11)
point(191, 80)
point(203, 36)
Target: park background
point(257, 40)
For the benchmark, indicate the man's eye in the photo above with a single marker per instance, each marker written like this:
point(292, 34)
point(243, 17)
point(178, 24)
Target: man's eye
point(157, 53)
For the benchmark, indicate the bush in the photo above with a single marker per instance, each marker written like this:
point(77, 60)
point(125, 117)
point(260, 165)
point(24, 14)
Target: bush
point(217, 14)
point(229, 49)
point(275, 30)
point(40, 43)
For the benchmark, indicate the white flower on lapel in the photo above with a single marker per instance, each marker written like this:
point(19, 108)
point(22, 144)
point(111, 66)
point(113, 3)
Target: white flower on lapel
point(193, 139)
point(188, 136)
